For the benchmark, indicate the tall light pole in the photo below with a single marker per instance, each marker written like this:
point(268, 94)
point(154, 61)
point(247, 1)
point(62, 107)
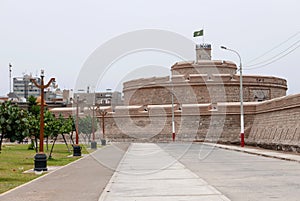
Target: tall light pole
point(173, 121)
point(10, 67)
point(241, 96)
point(93, 143)
point(102, 112)
point(40, 159)
point(76, 147)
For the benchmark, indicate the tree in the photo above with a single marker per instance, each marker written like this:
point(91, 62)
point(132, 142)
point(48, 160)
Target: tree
point(51, 127)
point(34, 119)
point(85, 127)
point(13, 122)
point(73, 128)
point(33, 108)
point(33, 130)
point(60, 126)
point(65, 128)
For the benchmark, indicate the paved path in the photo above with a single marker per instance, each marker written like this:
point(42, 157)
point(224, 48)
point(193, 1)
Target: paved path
point(261, 152)
point(148, 173)
point(81, 180)
point(239, 175)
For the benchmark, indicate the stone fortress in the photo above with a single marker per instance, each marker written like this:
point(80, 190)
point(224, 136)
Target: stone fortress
point(208, 81)
point(206, 106)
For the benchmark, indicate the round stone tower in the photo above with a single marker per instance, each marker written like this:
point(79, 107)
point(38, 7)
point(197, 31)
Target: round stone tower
point(202, 81)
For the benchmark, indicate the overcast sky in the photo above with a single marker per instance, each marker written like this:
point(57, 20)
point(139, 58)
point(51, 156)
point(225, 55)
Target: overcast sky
point(59, 36)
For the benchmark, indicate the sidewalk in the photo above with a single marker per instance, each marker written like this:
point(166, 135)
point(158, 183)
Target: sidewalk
point(145, 172)
point(148, 173)
point(260, 152)
point(83, 179)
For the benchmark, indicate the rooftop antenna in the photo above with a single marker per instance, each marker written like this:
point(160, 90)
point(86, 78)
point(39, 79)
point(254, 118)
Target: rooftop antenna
point(10, 68)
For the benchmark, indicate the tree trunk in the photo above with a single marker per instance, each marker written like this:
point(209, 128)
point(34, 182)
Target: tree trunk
point(47, 138)
point(66, 142)
point(36, 144)
point(71, 136)
point(1, 141)
point(50, 155)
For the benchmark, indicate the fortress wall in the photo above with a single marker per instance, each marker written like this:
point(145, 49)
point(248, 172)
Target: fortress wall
point(277, 124)
point(204, 67)
point(216, 123)
point(271, 124)
point(204, 88)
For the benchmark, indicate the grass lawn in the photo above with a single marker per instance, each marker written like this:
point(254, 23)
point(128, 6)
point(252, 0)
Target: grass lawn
point(16, 158)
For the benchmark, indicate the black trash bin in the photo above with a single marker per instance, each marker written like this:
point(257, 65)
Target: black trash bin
point(76, 150)
point(93, 145)
point(40, 162)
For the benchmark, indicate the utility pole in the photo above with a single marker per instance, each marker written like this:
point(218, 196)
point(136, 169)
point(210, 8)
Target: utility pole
point(10, 68)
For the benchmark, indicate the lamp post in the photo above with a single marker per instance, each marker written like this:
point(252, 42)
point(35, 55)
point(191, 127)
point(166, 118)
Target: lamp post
point(40, 159)
point(93, 143)
point(9, 67)
point(241, 96)
point(76, 147)
point(173, 121)
point(103, 113)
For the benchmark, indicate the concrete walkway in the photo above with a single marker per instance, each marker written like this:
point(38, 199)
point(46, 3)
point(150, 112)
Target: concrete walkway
point(147, 173)
point(260, 152)
point(81, 180)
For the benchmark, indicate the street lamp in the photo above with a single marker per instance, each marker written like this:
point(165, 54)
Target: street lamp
point(93, 143)
point(76, 147)
point(10, 67)
point(241, 96)
point(103, 113)
point(173, 121)
point(40, 159)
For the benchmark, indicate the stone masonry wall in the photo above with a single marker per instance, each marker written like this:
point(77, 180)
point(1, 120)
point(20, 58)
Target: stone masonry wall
point(202, 89)
point(277, 124)
point(271, 124)
point(216, 125)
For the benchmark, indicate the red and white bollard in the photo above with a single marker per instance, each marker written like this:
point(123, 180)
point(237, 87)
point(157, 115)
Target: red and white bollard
point(242, 140)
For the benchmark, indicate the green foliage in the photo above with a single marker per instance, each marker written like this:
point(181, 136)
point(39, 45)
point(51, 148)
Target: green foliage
point(13, 122)
point(66, 125)
point(55, 126)
point(33, 108)
point(85, 126)
point(52, 125)
point(73, 123)
point(31, 146)
point(33, 126)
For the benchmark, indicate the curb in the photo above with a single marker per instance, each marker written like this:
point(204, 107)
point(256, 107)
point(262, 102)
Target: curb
point(265, 153)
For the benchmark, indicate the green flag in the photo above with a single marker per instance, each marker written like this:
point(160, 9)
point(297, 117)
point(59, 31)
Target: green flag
point(198, 33)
